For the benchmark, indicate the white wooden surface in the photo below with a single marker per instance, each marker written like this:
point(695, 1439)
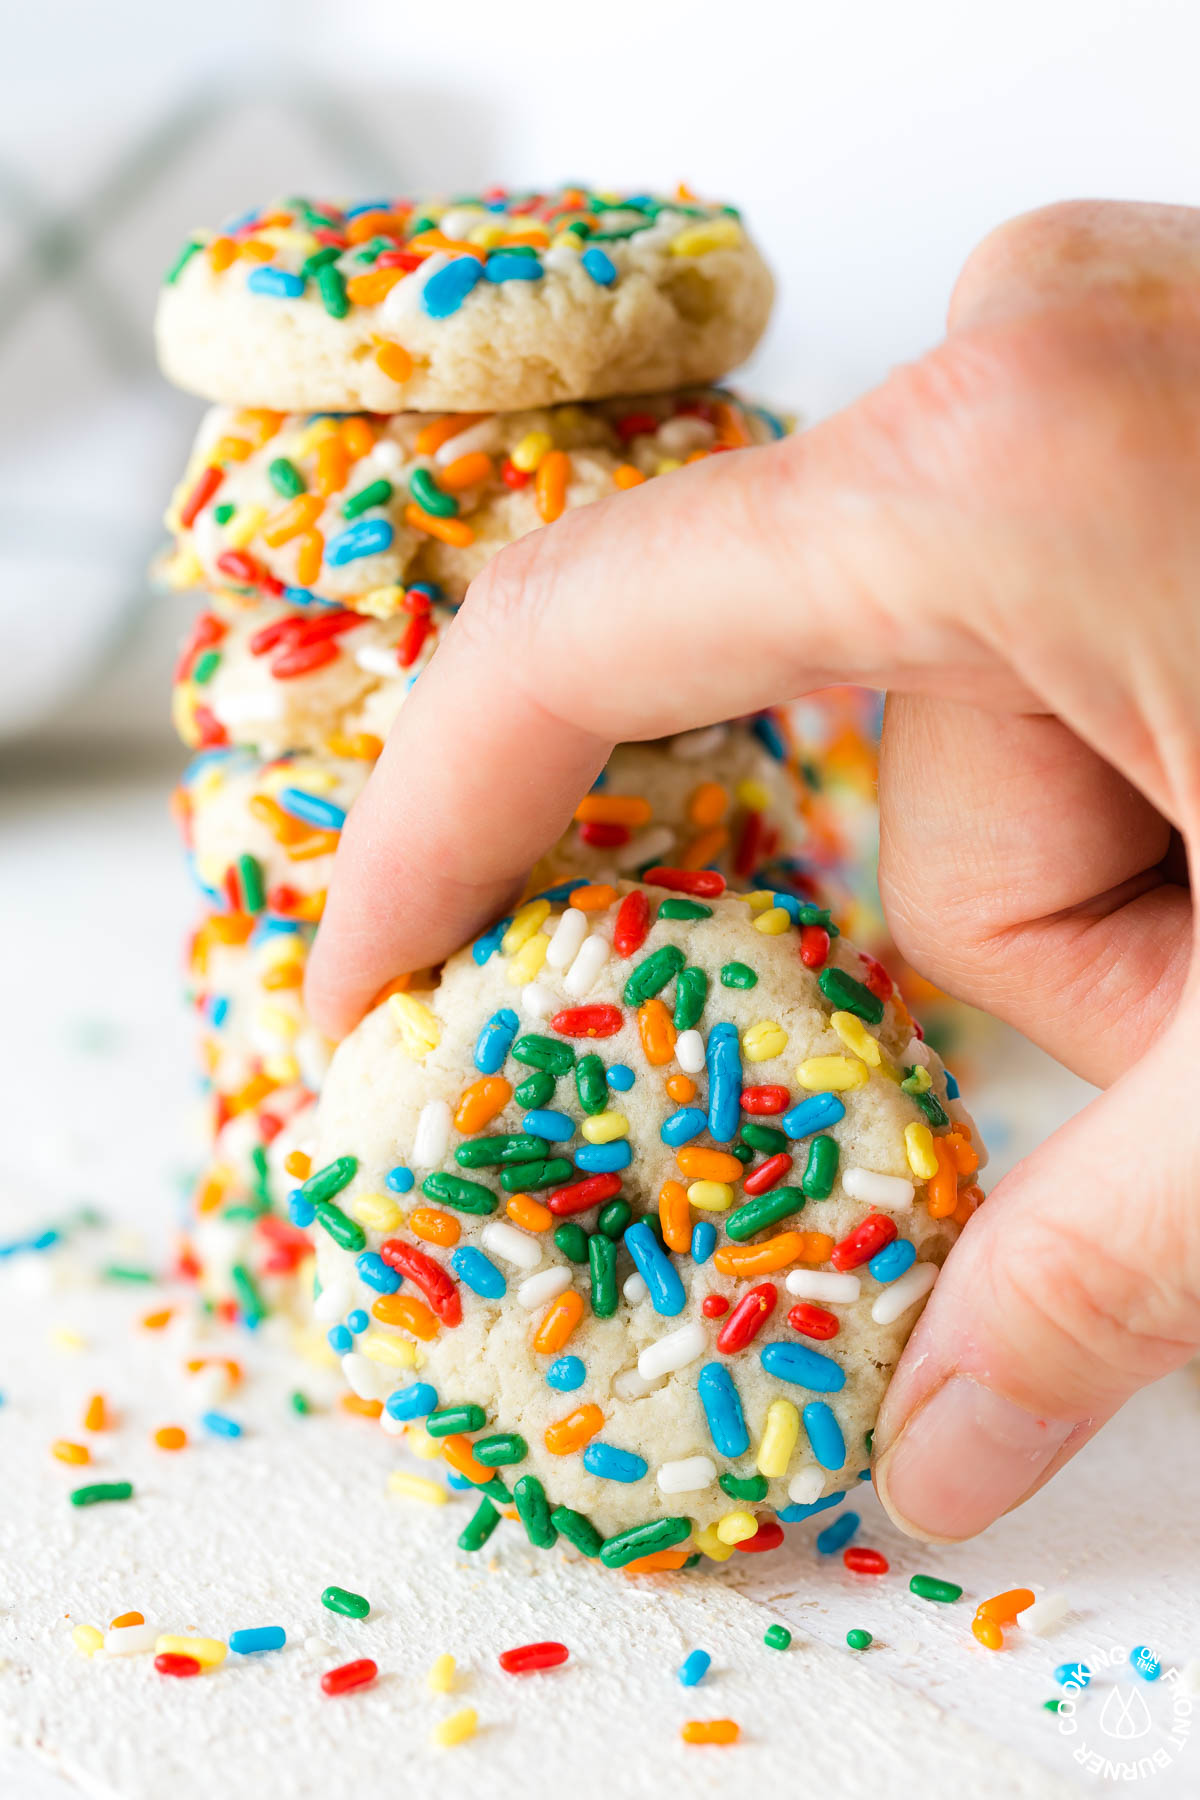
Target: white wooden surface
point(94, 1077)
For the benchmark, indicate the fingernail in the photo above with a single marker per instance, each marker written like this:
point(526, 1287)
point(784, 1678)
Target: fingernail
point(963, 1458)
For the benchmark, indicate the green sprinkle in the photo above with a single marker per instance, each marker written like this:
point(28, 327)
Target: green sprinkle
point(820, 1171)
point(538, 1090)
point(344, 1231)
point(206, 667)
point(744, 1487)
point(100, 1491)
point(764, 1209)
point(341, 1600)
point(526, 1177)
point(859, 1640)
point(691, 991)
point(457, 1191)
point(572, 1240)
point(917, 1080)
point(684, 909)
point(765, 1138)
point(126, 1272)
point(181, 262)
point(533, 1510)
point(869, 1441)
point(778, 1637)
point(1053, 1706)
point(743, 1152)
point(250, 879)
point(818, 915)
point(483, 1522)
point(544, 1053)
point(254, 1307)
point(495, 1490)
point(613, 1218)
point(928, 1587)
point(326, 1182)
point(602, 1267)
point(223, 513)
point(577, 1530)
point(506, 1147)
point(449, 1419)
point(300, 1404)
point(738, 975)
point(933, 1109)
point(644, 1540)
point(427, 494)
point(320, 259)
point(848, 995)
point(652, 974)
point(286, 478)
point(376, 493)
point(497, 1451)
point(591, 1083)
point(331, 286)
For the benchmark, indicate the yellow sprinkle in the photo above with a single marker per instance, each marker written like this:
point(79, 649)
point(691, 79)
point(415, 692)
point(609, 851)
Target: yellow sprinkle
point(526, 920)
point(528, 960)
point(380, 602)
point(667, 465)
point(244, 526)
point(921, 1080)
point(763, 1040)
point(63, 1339)
point(440, 1678)
point(918, 1142)
point(713, 234)
point(735, 1527)
point(455, 1730)
point(317, 433)
point(856, 1037)
point(417, 1487)
point(708, 1541)
point(393, 1353)
point(603, 1127)
point(835, 1073)
point(754, 794)
point(284, 1070)
point(529, 452)
point(778, 1439)
point(87, 1640)
point(759, 901)
point(711, 1196)
point(773, 923)
point(317, 778)
point(207, 1651)
point(185, 569)
point(420, 1029)
point(429, 1449)
point(379, 1212)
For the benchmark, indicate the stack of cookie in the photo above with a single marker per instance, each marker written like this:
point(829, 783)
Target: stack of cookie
point(400, 389)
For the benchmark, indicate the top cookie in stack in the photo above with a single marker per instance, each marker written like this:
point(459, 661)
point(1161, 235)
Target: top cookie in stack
point(493, 302)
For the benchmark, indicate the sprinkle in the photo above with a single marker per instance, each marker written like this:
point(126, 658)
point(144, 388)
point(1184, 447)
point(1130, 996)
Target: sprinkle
point(342, 1600)
point(896, 1299)
point(1144, 1663)
point(817, 1114)
point(777, 1637)
point(209, 1652)
point(170, 1663)
point(667, 1293)
point(687, 1475)
point(890, 1191)
point(644, 1540)
point(440, 1678)
point(929, 1587)
point(672, 1352)
point(460, 1725)
point(278, 283)
point(835, 1537)
point(417, 1487)
point(824, 1432)
point(479, 1272)
point(1044, 1615)
point(349, 1676)
point(710, 1731)
point(252, 1640)
point(694, 1668)
point(1077, 1674)
point(778, 1439)
point(526, 1658)
point(87, 1640)
point(447, 288)
point(599, 266)
point(859, 1639)
point(723, 1410)
point(101, 1491)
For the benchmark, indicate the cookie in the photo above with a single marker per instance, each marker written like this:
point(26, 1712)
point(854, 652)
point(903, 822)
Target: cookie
point(632, 1214)
point(386, 515)
point(483, 303)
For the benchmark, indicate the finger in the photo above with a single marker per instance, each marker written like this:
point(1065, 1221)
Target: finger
point(1024, 874)
point(1075, 1285)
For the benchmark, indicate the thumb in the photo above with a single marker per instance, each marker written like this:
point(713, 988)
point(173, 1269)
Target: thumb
point(1075, 1285)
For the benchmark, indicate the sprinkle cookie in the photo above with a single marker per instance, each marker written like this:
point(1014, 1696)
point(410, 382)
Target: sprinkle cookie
point(631, 1216)
point(391, 515)
point(488, 302)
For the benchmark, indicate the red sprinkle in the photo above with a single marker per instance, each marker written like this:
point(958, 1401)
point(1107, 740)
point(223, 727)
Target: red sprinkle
point(207, 631)
point(351, 1675)
point(877, 977)
point(714, 1306)
point(813, 1321)
point(769, 1536)
point(747, 1318)
point(864, 1242)
point(528, 1657)
point(632, 923)
point(766, 1099)
point(749, 846)
point(512, 476)
point(603, 836)
point(864, 1561)
point(768, 1174)
point(303, 659)
point(411, 644)
point(814, 946)
point(588, 1021)
point(168, 1663)
point(705, 884)
point(200, 495)
point(438, 1287)
point(578, 1196)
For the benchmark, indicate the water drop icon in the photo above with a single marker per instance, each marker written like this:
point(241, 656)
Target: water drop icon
point(1125, 1715)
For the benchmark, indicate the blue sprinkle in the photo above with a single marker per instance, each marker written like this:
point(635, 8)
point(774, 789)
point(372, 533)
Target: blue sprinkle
point(552, 1125)
point(812, 1115)
point(835, 1537)
point(459, 1482)
point(1077, 1674)
point(602, 1159)
point(724, 1082)
point(770, 737)
point(374, 1271)
point(220, 1425)
point(340, 1340)
point(311, 808)
point(366, 537)
point(694, 1668)
point(399, 1180)
point(892, 1261)
point(276, 282)
point(301, 597)
point(656, 1270)
point(723, 1410)
point(566, 1373)
point(807, 1368)
point(600, 266)
point(357, 1321)
point(495, 1040)
point(562, 890)
point(825, 1434)
point(301, 1212)
point(218, 1010)
point(608, 1463)
point(366, 206)
point(259, 1637)
point(683, 1126)
point(951, 1086)
point(1145, 1663)
point(621, 1077)
point(792, 1515)
point(485, 947)
point(506, 265)
point(448, 287)
point(479, 1272)
point(411, 1402)
point(704, 1240)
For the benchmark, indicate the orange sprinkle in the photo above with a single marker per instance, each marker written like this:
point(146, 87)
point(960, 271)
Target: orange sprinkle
point(730, 429)
point(297, 516)
point(157, 1320)
point(988, 1633)
point(428, 241)
point(431, 437)
point(310, 908)
point(364, 746)
point(221, 253)
point(333, 466)
point(1002, 1609)
point(373, 286)
point(675, 1216)
point(126, 1618)
point(68, 1452)
point(230, 928)
point(598, 896)
point(465, 471)
point(969, 1201)
point(941, 1192)
point(626, 476)
point(392, 359)
point(457, 1452)
point(448, 531)
point(379, 222)
point(357, 435)
point(535, 238)
point(310, 556)
point(708, 1165)
point(171, 1437)
point(550, 484)
point(707, 803)
point(399, 984)
point(681, 1088)
point(412, 1315)
point(366, 1409)
point(658, 1036)
point(529, 1213)
point(209, 1194)
point(282, 826)
point(704, 848)
point(573, 1432)
point(558, 1322)
point(966, 1157)
point(613, 809)
point(231, 449)
point(233, 1370)
point(282, 978)
point(656, 1562)
point(773, 1253)
point(299, 1164)
point(316, 844)
point(261, 422)
point(710, 1731)
point(435, 1226)
point(479, 1103)
point(256, 1089)
point(95, 1414)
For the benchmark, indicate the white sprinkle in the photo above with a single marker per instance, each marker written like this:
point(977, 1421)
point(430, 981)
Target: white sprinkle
point(589, 960)
point(673, 1351)
point(689, 1051)
point(569, 934)
point(376, 659)
point(917, 1052)
point(461, 221)
point(130, 1640)
point(630, 1385)
point(315, 1646)
point(250, 707)
point(404, 300)
point(646, 847)
point(431, 1140)
point(336, 1297)
point(1189, 1678)
point(561, 259)
point(890, 1191)
point(537, 1000)
point(635, 1288)
point(547, 1285)
point(676, 437)
point(484, 436)
point(806, 1487)
point(900, 1295)
point(686, 1475)
point(312, 1058)
point(511, 1245)
point(817, 1284)
point(694, 746)
point(1045, 1615)
point(369, 1381)
point(393, 1427)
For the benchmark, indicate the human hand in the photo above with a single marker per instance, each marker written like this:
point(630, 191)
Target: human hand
point(1005, 535)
